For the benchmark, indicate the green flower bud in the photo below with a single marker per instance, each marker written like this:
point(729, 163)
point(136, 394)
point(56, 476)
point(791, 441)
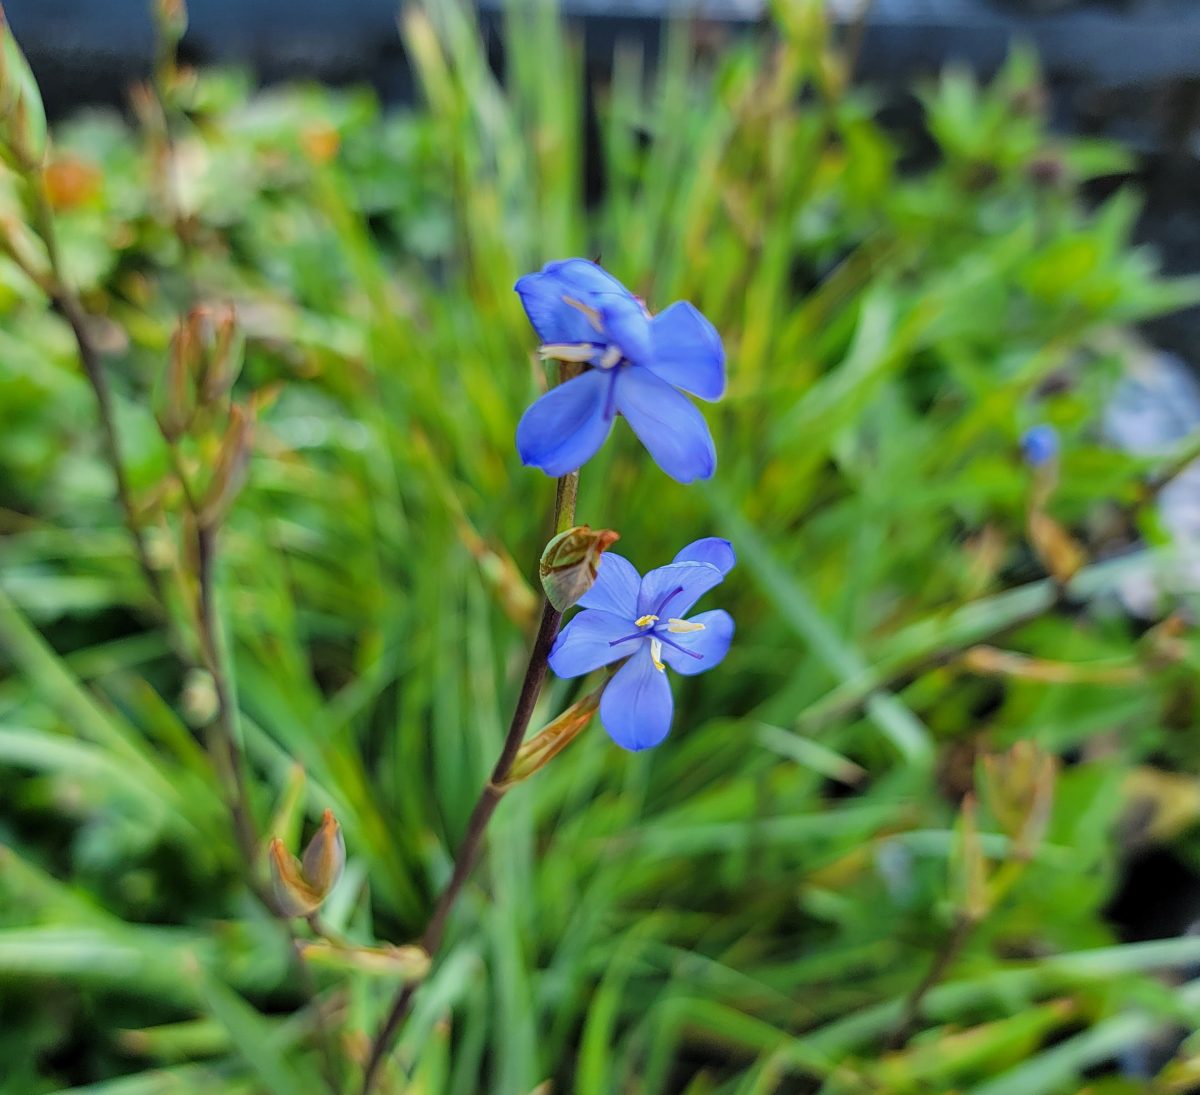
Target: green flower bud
point(570, 562)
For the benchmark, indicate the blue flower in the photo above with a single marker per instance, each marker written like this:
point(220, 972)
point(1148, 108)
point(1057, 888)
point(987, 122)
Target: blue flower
point(627, 616)
point(1039, 445)
point(634, 364)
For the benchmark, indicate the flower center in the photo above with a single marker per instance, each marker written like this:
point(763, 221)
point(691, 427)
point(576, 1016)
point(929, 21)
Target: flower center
point(650, 628)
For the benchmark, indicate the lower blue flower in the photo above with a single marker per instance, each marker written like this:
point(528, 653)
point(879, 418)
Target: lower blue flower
point(642, 620)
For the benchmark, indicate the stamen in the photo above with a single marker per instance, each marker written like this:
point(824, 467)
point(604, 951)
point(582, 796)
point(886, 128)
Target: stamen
point(675, 646)
point(591, 313)
point(656, 655)
point(581, 352)
point(683, 627)
point(646, 621)
point(610, 357)
point(635, 635)
point(667, 600)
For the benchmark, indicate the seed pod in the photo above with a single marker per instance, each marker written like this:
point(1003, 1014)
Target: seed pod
point(570, 562)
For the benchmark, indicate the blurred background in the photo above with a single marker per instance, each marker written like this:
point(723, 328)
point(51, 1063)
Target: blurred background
point(932, 825)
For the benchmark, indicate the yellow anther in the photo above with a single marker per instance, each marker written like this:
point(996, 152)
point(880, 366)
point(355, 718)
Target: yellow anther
point(645, 621)
point(683, 627)
point(591, 313)
point(567, 351)
point(656, 655)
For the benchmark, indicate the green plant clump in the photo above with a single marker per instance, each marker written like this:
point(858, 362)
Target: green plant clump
point(876, 852)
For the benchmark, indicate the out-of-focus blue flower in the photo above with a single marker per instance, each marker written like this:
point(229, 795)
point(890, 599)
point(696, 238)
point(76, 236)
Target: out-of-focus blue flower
point(634, 364)
point(641, 619)
point(1039, 445)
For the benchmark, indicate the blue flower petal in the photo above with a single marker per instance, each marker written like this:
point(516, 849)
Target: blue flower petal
point(584, 644)
point(712, 549)
point(673, 431)
point(563, 429)
point(711, 644)
point(552, 317)
point(584, 276)
point(671, 590)
point(625, 322)
point(616, 587)
point(636, 707)
point(688, 352)
point(554, 320)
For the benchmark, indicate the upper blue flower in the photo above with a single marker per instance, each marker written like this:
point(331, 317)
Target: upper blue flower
point(627, 616)
point(635, 365)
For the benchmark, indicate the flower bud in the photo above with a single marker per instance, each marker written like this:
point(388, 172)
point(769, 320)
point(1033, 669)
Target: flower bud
point(170, 19)
point(300, 886)
point(544, 746)
point(325, 857)
point(223, 360)
point(570, 562)
point(229, 475)
point(175, 392)
point(1019, 785)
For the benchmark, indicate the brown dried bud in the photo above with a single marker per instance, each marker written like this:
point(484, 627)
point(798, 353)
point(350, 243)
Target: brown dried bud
point(544, 746)
point(223, 360)
point(570, 562)
point(301, 886)
point(1019, 785)
point(1058, 550)
point(229, 475)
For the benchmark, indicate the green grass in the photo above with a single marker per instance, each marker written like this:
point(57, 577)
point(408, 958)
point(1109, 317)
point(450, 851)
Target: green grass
point(747, 908)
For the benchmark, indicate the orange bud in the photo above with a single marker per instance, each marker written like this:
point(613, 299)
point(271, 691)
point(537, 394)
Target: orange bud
point(71, 182)
point(320, 143)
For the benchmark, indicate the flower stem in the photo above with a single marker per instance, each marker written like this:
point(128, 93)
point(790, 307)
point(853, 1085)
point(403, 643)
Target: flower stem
point(489, 798)
point(222, 733)
point(67, 304)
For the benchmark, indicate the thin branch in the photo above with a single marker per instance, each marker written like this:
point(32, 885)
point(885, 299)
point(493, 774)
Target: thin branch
point(469, 851)
point(66, 302)
point(222, 731)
